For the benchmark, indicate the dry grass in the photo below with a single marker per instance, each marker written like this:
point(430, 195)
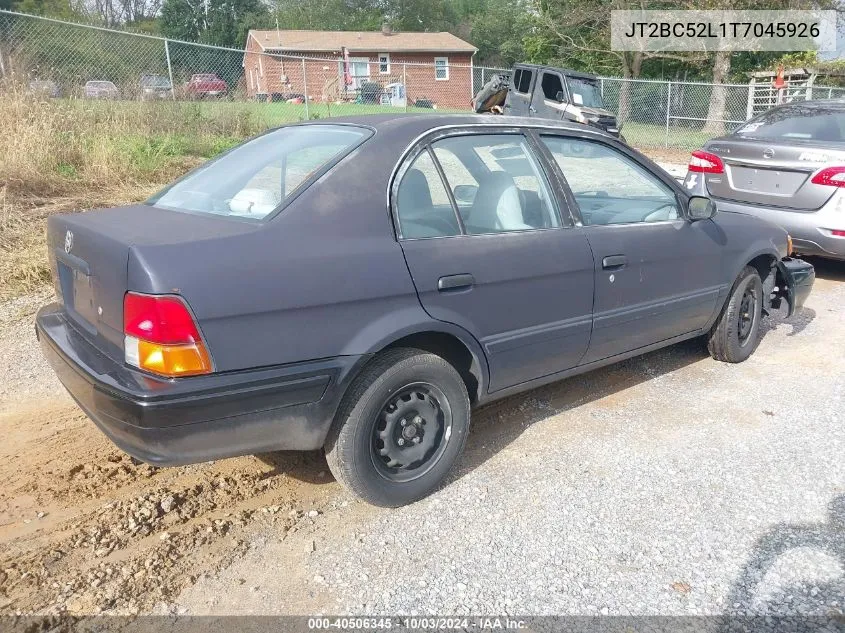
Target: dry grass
point(70, 155)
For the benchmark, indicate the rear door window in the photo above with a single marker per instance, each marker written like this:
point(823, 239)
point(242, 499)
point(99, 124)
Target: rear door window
point(422, 202)
point(522, 80)
point(497, 183)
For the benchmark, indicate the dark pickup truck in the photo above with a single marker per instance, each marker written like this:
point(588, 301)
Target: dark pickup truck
point(547, 92)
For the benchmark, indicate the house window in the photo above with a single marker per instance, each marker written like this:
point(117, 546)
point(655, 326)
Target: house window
point(384, 63)
point(441, 68)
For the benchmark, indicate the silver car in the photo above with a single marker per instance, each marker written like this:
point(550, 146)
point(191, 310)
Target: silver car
point(786, 166)
point(101, 90)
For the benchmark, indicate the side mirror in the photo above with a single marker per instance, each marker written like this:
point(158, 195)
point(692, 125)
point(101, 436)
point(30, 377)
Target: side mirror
point(559, 96)
point(465, 194)
point(700, 208)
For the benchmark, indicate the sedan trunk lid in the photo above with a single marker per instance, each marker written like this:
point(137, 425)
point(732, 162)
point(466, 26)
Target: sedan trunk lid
point(773, 174)
point(90, 257)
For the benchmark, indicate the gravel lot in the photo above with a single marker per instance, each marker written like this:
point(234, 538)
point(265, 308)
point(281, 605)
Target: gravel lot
point(669, 484)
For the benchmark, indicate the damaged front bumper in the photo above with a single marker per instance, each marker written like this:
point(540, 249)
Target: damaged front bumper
point(794, 282)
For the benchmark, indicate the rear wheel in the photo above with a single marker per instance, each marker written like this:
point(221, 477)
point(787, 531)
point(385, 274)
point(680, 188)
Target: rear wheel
point(400, 429)
point(736, 333)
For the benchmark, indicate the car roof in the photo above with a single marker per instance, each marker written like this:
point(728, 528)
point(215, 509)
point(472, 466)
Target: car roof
point(566, 71)
point(412, 124)
point(827, 104)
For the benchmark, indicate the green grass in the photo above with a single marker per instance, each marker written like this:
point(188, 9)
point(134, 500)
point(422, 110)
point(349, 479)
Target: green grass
point(646, 136)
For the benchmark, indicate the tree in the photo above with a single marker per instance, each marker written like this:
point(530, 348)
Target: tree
point(217, 22)
point(580, 30)
point(329, 15)
point(61, 9)
point(497, 29)
point(419, 15)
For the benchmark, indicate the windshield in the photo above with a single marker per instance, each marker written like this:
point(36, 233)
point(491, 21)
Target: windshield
point(252, 180)
point(155, 81)
point(798, 122)
point(585, 92)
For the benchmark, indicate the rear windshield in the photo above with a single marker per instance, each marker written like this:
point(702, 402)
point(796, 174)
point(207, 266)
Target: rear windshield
point(797, 122)
point(252, 180)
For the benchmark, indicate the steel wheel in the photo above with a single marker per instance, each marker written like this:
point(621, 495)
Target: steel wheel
point(746, 315)
point(411, 432)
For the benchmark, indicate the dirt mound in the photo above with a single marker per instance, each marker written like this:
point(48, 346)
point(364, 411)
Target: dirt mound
point(87, 529)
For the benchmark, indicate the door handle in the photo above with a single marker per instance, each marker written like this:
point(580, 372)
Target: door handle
point(532, 109)
point(614, 262)
point(455, 282)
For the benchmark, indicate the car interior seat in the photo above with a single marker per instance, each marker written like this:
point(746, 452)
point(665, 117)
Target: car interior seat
point(497, 206)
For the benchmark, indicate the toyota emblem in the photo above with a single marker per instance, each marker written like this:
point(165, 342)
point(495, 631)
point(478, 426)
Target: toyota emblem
point(68, 241)
point(768, 152)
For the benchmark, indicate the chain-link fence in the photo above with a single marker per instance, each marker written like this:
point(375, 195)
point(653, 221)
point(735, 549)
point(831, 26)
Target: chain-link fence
point(268, 86)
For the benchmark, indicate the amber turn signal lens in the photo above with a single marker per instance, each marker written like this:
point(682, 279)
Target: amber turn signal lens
point(788, 244)
point(168, 360)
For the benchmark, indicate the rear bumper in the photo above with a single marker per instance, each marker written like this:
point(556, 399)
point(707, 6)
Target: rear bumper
point(810, 231)
point(189, 420)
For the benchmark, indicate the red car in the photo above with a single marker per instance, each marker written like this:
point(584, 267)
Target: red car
point(206, 85)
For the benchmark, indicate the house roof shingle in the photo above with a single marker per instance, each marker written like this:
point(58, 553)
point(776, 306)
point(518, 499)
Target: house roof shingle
point(354, 41)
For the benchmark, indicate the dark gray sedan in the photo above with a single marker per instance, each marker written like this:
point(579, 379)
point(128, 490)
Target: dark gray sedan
point(359, 284)
point(786, 166)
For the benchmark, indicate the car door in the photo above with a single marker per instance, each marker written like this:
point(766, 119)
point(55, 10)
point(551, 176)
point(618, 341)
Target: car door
point(519, 93)
point(547, 100)
point(488, 250)
point(657, 275)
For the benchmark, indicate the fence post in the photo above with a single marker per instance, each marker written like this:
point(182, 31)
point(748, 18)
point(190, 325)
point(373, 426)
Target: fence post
point(668, 109)
point(405, 84)
point(601, 86)
point(305, 89)
point(482, 79)
point(749, 107)
point(169, 69)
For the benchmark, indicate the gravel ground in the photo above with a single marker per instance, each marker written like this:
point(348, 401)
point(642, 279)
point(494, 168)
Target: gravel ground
point(24, 374)
point(669, 484)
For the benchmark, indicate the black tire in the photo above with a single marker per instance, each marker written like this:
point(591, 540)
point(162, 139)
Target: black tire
point(736, 333)
point(368, 421)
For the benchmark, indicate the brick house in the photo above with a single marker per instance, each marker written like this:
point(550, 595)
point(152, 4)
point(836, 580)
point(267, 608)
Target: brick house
point(434, 66)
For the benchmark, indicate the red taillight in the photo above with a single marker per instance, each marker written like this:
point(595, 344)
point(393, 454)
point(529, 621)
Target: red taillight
point(837, 233)
point(830, 176)
point(706, 163)
point(162, 337)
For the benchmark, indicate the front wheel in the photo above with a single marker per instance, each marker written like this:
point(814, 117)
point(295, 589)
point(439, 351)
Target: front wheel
point(400, 429)
point(736, 333)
